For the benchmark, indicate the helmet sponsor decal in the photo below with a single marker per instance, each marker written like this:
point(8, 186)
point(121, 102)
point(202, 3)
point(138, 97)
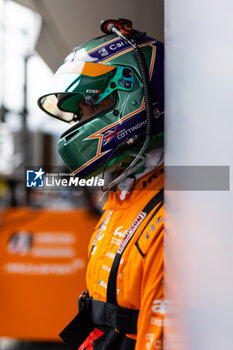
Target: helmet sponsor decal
point(103, 52)
point(90, 91)
point(106, 51)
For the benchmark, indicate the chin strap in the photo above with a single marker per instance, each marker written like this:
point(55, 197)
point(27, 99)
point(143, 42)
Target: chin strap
point(151, 161)
point(127, 172)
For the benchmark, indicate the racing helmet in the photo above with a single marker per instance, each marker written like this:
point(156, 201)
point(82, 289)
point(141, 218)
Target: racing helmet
point(105, 72)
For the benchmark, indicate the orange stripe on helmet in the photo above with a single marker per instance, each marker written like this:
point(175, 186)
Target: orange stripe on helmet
point(152, 60)
point(85, 68)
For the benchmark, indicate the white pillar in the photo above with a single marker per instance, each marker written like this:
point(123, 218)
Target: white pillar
point(199, 128)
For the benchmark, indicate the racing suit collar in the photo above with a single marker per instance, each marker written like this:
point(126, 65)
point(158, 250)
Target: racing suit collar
point(151, 181)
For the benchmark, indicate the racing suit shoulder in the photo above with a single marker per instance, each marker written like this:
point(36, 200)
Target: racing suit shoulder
point(150, 232)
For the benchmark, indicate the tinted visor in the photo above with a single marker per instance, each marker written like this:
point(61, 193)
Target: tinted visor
point(78, 81)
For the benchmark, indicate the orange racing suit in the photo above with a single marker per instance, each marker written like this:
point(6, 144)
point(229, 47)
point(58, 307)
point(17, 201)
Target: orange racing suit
point(139, 282)
point(139, 273)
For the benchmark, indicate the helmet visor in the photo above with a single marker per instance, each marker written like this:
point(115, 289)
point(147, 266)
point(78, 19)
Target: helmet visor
point(78, 81)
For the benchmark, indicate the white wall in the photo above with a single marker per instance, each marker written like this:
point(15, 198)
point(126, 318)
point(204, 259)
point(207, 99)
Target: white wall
point(199, 124)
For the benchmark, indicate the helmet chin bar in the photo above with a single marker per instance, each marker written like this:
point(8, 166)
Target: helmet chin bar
point(123, 29)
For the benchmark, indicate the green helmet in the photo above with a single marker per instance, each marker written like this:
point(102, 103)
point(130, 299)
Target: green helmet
point(105, 69)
